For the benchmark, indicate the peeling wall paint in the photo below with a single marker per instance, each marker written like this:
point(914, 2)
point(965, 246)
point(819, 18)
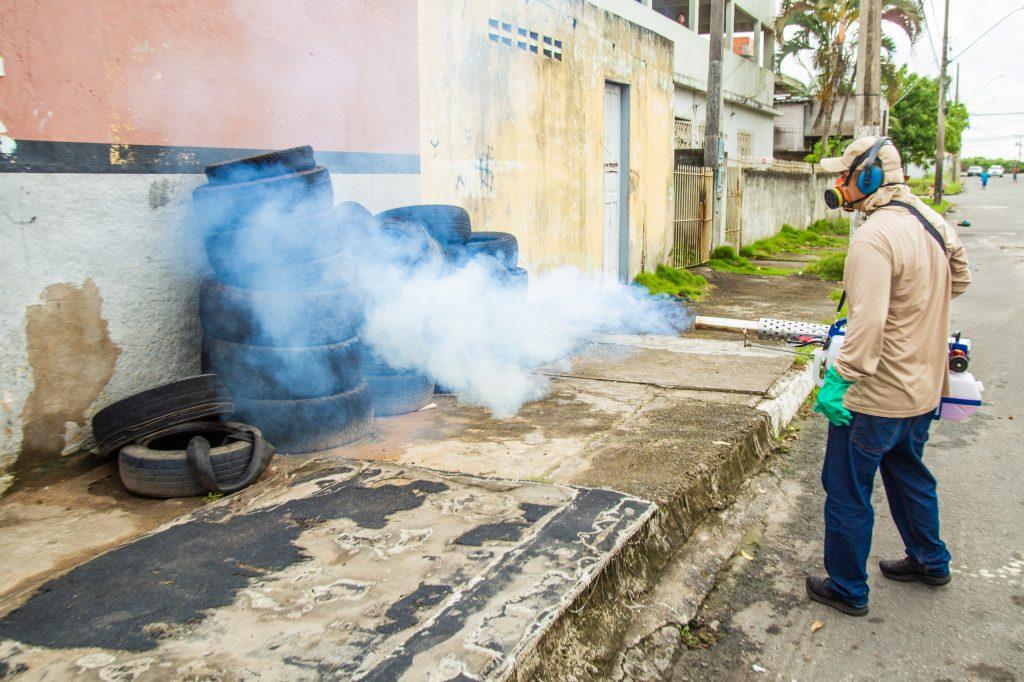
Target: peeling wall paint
point(517, 138)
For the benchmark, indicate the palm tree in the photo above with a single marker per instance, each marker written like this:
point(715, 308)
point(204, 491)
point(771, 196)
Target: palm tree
point(826, 30)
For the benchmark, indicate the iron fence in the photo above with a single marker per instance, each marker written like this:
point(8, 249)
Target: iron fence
point(691, 234)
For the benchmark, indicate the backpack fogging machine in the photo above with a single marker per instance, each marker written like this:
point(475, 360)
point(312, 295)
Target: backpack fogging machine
point(964, 396)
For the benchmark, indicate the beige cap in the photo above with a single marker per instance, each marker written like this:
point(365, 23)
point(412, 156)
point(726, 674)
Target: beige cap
point(892, 165)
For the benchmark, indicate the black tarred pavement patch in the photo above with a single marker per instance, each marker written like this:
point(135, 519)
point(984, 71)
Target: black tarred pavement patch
point(124, 598)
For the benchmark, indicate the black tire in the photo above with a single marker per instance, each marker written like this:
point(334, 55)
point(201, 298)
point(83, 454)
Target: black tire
point(314, 424)
point(447, 224)
point(262, 165)
point(186, 400)
point(157, 466)
point(228, 206)
point(286, 373)
point(517, 278)
point(268, 318)
point(400, 393)
point(500, 245)
point(252, 252)
point(407, 243)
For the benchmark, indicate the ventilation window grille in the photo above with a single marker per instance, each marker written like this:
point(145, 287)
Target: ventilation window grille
point(525, 39)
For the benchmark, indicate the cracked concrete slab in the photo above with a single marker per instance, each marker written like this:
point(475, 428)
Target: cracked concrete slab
point(344, 570)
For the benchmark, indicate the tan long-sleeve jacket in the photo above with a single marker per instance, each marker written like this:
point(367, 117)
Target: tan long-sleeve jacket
point(899, 285)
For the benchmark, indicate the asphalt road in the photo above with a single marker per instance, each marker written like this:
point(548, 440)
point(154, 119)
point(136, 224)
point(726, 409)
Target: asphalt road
point(758, 624)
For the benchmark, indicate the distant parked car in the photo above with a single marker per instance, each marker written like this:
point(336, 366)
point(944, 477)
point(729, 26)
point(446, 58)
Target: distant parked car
point(996, 171)
point(973, 171)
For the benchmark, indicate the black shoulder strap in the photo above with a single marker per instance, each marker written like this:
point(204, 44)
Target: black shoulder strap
point(924, 222)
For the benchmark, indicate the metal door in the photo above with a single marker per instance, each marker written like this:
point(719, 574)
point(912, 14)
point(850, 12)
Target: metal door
point(612, 181)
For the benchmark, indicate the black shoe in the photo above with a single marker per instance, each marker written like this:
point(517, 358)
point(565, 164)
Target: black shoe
point(907, 570)
point(818, 589)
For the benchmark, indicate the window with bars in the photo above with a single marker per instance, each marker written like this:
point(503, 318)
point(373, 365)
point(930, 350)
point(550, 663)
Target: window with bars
point(745, 143)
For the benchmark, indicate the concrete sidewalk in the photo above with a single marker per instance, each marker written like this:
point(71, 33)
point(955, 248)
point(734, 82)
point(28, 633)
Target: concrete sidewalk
point(368, 561)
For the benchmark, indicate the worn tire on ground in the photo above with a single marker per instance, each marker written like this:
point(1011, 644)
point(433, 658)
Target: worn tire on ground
point(284, 318)
point(263, 165)
point(196, 398)
point(400, 393)
point(286, 372)
point(226, 206)
point(157, 466)
point(502, 246)
point(447, 224)
point(300, 426)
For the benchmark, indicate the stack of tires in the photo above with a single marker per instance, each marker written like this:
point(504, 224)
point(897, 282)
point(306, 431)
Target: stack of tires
point(280, 324)
point(451, 227)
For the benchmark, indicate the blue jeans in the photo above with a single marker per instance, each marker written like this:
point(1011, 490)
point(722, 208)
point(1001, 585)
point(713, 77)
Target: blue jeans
point(852, 456)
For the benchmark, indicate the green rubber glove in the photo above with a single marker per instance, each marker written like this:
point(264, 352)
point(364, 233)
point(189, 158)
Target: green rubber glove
point(830, 398)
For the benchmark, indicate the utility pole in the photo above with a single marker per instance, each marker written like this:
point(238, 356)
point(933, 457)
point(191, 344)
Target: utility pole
point(940, 136)
point(868, 95)
point(869, 71)
point(956, 98)
point(714, 147)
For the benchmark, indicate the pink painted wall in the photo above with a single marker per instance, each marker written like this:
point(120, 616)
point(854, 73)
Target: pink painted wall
point(341, 75)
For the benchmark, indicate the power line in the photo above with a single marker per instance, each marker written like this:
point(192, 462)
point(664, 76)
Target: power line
point(928, 30)
point(989, 30)
point(1001, 113)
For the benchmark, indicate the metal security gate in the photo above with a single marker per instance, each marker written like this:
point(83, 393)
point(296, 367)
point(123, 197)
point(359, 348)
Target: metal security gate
point(691, 222)
point(734, 207)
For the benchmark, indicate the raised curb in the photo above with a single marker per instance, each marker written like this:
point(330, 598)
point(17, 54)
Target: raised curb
point(587, 641)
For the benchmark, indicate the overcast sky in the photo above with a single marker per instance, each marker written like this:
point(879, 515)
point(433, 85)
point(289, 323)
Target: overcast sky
point(991, 77)
point(991, 73)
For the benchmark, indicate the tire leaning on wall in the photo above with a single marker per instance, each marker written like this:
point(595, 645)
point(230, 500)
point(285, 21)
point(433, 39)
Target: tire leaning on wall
point(226, 206)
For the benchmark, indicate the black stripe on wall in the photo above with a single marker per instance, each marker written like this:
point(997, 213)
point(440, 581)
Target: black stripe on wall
point(33, 156)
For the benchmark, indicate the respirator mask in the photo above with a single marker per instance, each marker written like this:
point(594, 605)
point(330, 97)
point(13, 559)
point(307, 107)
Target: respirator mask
point(868, 181)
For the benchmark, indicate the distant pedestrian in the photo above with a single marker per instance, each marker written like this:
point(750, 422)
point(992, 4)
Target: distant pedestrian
point(1015, 172)
point(984, 178)
point(681, 19)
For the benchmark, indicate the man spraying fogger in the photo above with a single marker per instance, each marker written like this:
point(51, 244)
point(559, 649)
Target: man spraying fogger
point(904, 265)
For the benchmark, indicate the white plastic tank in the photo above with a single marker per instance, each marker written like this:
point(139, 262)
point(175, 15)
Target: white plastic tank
point(964, 397)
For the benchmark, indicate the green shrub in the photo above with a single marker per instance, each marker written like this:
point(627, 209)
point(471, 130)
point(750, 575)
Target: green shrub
point(791, 240)
point(673, 281)
point(829, 267)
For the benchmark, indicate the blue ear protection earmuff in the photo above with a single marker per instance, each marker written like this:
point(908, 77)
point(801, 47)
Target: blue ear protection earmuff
point(872, 176)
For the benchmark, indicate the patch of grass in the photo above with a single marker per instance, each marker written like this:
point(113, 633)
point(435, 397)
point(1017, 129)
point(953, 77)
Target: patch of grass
point(804, 355)
point(835, 295)
point(725, 259)
point(791, 240)
point(923, 187)
point(942, 208)
point(835, 226)
point(212, 497)
point(697, 635)
point(829, 267)
point(673, 281)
